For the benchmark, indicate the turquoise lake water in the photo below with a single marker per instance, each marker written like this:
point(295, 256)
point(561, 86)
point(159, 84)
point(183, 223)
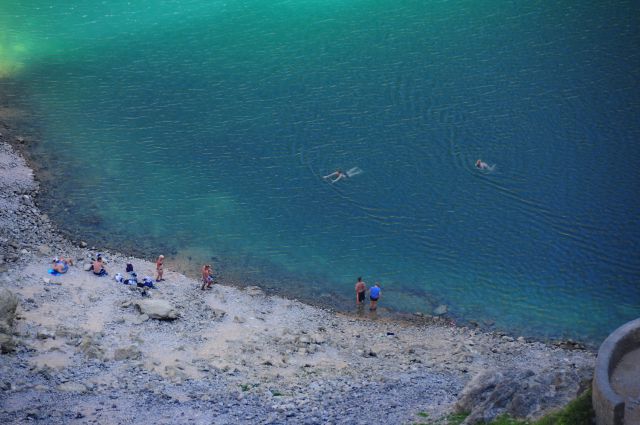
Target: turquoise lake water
point(202, 129)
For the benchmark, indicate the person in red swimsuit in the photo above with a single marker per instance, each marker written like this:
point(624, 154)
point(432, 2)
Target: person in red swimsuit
point(159, 269)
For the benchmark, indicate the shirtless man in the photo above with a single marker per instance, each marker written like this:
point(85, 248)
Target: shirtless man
point(361, 290)
point(207, 279)
point(98, 267)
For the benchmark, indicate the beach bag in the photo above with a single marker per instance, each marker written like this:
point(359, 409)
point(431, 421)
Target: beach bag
point(129, 267)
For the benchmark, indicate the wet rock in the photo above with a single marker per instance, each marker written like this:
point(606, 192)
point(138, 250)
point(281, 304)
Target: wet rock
point(254, 291)
point(569, 344)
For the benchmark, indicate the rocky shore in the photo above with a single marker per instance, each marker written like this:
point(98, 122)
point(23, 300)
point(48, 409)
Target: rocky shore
point(77, 348)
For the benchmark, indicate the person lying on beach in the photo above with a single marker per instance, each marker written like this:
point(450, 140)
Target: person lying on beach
point(61, 265)
point(98, 267)
point(207, 278)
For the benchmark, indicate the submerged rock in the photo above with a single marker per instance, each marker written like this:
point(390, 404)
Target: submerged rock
point(440, 310)
point(254, 291)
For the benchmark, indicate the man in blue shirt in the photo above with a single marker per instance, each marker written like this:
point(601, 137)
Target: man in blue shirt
point(374, 296)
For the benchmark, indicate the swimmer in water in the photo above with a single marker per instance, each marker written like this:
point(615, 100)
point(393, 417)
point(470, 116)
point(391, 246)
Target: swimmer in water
point(481, 165)
point(336, 176)
point(354, 171)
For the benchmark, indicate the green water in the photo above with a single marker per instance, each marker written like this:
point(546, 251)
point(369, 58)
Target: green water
point(203, 129)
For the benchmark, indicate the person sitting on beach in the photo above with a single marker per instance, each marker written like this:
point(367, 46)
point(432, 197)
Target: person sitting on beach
point(361, 289)
point(335, 176)
point(374, 296)
point(61, 265)
point(159, 269)
point(98, 267)
point(207, 278)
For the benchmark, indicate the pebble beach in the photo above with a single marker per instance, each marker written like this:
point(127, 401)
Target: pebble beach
point(84, 349)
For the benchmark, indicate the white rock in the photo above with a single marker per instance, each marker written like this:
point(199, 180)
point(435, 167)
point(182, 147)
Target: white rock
point(72, 387)
point(157, 309)
point(440, 310)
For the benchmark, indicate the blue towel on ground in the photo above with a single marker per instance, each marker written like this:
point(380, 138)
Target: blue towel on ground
point(53, 272)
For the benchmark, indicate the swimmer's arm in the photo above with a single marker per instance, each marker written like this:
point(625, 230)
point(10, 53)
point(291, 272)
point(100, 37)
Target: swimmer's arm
point(330, 175)
point(340, 176)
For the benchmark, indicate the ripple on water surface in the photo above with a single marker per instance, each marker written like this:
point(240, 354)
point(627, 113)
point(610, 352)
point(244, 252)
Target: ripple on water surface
point(208, 127)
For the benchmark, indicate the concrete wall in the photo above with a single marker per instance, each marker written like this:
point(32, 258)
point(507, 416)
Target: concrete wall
point(609, 406)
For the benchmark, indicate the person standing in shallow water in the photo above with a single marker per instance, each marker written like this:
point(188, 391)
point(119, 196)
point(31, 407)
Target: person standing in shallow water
point(374, 296)
point(159, 268)
point(361, 290)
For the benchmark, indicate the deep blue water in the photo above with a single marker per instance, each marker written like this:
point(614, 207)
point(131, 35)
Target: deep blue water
point(203, 129)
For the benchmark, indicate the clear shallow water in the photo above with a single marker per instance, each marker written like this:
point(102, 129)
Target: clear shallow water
point(204, 128)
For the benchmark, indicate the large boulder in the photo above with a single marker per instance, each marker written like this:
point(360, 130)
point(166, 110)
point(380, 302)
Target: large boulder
point(8, 305)
point(522, 394)
point(157, 309)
